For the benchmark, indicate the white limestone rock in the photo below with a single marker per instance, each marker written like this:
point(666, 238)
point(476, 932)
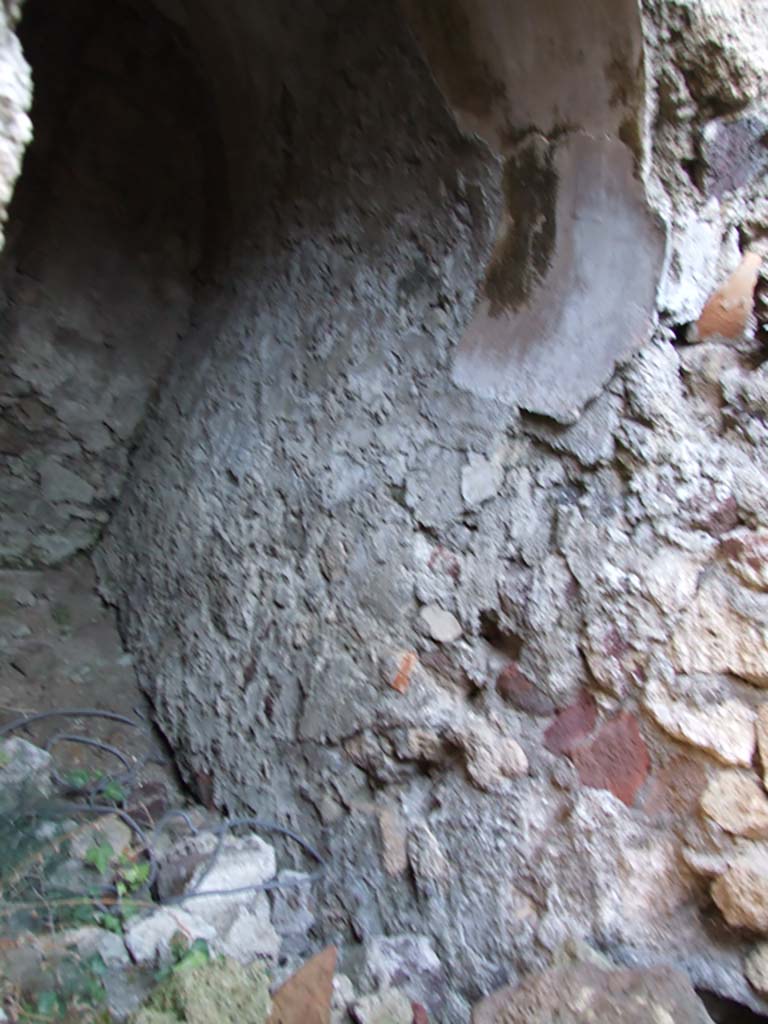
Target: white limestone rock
point(441, 625)
point(724, 729)
point(481, 479)
point(735, 801)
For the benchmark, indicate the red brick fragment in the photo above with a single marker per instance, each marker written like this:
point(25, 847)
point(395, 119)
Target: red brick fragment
point(616, 758)
point(403, 676)
point(571, 725)
point(514, 686)
point(306, 995)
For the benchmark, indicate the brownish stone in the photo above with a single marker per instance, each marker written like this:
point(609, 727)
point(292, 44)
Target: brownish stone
point(572, 725)
point(615, 759)
point(443, 560)
point(393, 841)
point(676, 788)
point(585, 994)
point(514, 686)
point(746, 556)
point(727, 311)
point(306, 995)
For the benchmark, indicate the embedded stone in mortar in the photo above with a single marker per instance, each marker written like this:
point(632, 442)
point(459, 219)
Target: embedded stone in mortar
point(724, 729)
point(746, 552)
point(741, 893)
point(481, 479)
point(585, 993)
point(441, 625)
point(734, 151)
point(728, 311)
point(737, 803)
point(717, 635)
point(756, 968)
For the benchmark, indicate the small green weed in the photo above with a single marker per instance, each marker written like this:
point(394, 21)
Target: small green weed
point(184, 957)
point(89, 779)
point(99, 856)
point(78, 995)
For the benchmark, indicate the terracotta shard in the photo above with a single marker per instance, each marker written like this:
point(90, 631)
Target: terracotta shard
point(616, 758)
point(403, 677)
point(305, 998)
point(728, 310)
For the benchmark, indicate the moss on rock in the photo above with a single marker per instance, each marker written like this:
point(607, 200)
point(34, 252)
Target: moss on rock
point(222, 991)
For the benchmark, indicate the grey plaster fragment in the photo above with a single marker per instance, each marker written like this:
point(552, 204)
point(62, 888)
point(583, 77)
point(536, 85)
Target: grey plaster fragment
point(481, 479)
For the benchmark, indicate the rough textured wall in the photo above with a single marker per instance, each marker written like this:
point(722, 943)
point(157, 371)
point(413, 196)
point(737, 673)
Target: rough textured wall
point(96, 280)
point(16, 90)
point(493, 663)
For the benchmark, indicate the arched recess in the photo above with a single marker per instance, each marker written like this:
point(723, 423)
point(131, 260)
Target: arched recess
point(557, 90)
point(304, 465)
point(107, 236)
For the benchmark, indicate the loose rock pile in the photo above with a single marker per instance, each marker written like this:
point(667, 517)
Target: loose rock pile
point(237, 954)
point(255, 917)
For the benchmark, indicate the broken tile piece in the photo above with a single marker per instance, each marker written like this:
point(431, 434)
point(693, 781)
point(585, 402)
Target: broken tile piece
point(402, 677)
point(616, 758)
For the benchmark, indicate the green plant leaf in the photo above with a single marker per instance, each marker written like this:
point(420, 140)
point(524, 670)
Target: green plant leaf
point(135, 875)
point(113, 791)
point(197, 955)
point(179, 946)
point(99, 856)
point(96, 965)
point(111, 922)
point(84, 915)
point(78, 778)
point(48, 1004)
